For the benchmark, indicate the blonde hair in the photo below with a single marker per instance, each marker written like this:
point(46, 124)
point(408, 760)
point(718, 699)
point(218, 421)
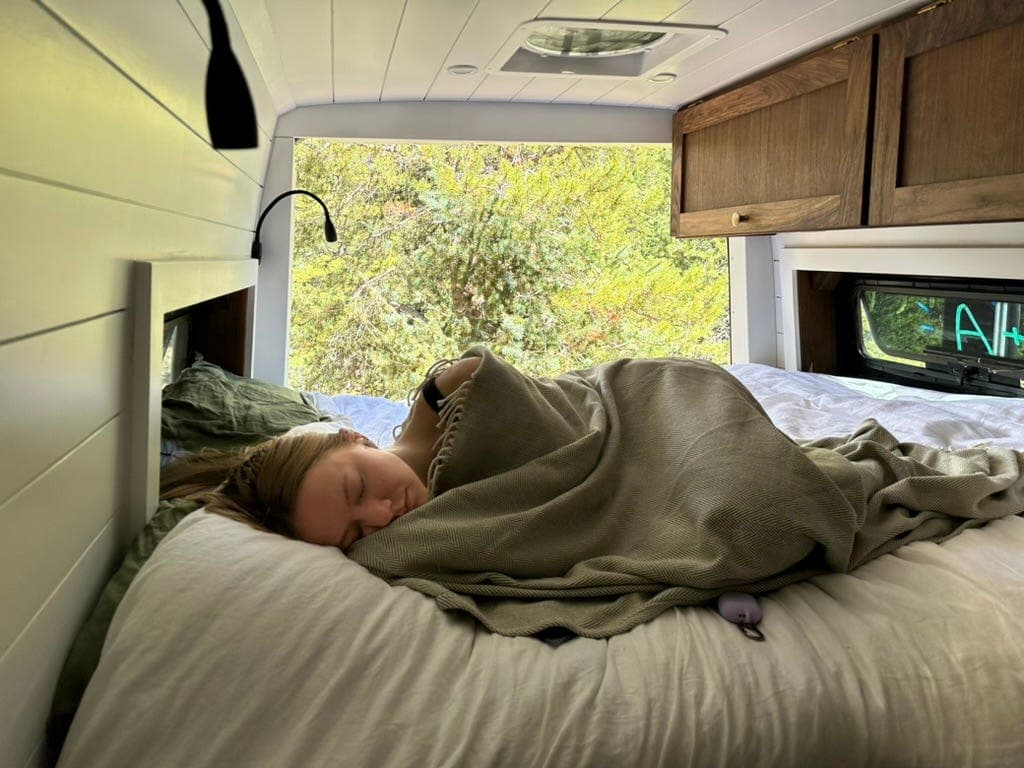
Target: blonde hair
point(256, 485)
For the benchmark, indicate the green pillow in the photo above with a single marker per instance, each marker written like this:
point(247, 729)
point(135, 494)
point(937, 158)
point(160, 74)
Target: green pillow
point(207, 407)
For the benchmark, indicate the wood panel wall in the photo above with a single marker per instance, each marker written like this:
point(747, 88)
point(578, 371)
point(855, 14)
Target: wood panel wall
point(104, 159)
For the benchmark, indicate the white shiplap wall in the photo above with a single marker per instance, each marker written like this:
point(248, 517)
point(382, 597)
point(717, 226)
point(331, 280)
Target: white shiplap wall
point(104, 160)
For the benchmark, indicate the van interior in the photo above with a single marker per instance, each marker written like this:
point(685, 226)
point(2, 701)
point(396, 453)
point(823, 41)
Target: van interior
point(865, 160)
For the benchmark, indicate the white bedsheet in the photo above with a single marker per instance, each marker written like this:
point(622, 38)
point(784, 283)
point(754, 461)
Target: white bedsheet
point(235, 647)
point(810, 405)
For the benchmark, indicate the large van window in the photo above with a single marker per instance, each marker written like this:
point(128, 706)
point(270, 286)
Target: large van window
point(557, 257)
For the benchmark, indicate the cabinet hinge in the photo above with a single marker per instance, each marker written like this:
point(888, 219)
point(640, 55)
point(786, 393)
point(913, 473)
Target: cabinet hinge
point(931, 7)
point(847, 41)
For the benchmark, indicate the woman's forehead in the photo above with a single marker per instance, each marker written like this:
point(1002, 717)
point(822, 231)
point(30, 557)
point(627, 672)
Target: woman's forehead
point(333, 461)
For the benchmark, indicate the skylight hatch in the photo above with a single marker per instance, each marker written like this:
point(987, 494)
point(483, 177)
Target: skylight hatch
point(610, 49)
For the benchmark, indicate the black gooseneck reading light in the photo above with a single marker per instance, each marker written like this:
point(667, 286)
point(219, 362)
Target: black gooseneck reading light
point(329, 232)
point(230, 115)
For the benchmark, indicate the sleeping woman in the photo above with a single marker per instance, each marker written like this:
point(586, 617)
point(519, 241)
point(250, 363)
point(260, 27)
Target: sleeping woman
point(324, 489)
point(597, 499)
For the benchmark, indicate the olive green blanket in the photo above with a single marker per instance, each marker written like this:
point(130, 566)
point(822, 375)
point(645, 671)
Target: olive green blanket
point(597, 500)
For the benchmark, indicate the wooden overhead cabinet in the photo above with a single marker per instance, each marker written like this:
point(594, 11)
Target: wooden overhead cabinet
point(949, 121)
point(790, 150)
point(786, 152)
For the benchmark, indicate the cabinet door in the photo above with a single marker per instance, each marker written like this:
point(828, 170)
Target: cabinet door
point(949, 122)
point(786, 152)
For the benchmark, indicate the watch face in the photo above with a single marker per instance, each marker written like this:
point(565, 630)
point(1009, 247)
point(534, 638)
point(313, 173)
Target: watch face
point(552, 40)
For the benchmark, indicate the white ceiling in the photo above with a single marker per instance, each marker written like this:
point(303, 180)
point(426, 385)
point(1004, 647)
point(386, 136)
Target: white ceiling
point(339, 51)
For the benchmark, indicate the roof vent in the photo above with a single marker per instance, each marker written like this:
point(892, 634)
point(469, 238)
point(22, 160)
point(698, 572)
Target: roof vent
point(585, 48)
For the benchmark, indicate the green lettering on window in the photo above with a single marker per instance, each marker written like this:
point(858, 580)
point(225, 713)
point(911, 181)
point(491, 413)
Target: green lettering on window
point(960, 333)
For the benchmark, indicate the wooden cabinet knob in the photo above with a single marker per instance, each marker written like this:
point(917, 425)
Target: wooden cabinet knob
point(737, 217)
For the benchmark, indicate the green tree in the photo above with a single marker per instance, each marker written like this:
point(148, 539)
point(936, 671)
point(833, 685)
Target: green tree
point(904, 324)
point(558, 257)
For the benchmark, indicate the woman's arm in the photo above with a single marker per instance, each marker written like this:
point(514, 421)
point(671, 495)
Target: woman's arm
point(416, 443)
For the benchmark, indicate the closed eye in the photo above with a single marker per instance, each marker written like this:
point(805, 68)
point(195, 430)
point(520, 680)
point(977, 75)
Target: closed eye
point(353, 489)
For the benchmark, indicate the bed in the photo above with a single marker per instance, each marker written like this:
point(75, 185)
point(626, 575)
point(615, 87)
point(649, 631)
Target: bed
point(236, 647)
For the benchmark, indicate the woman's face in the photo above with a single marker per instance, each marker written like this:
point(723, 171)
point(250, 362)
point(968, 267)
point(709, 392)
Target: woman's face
point(353, 491)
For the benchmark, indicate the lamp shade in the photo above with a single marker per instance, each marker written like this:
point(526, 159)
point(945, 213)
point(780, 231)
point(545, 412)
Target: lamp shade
point(230, 115)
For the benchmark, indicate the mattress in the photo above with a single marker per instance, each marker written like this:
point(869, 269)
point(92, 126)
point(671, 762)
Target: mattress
point(235, 647)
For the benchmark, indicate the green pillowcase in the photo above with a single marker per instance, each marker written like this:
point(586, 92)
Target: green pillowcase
point(207, 407)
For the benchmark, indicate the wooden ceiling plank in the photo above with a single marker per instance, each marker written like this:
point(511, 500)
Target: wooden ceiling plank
point(586, 90)
point(500, 87)
point(713, 13)
point(303, 32)
point(637, 91)
point(542, 89)
point(577, 9)
point(248, 20)
point(364, 34)
point(493, 22)
point(428, 31)
point(651, 11)
point(428, 36)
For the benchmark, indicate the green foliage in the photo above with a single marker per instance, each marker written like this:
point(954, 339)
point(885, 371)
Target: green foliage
point(903, 324)
point(557, 257)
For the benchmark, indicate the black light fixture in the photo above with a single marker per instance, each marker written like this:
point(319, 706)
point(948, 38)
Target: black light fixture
point(230, 115)
point(329, 231)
